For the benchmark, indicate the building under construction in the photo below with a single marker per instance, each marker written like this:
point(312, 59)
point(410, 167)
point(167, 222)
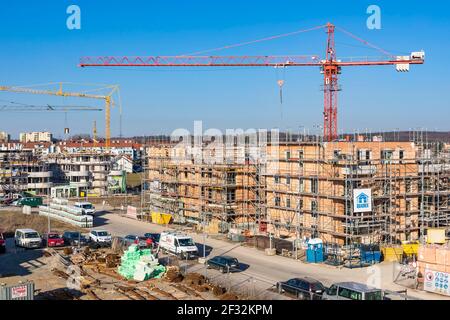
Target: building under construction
point(305, 189)
point(21, 170)
point(213, 192)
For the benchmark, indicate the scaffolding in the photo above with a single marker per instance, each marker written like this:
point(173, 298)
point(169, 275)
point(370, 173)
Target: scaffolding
point(408, 180)
point(306, 189)
point(216, 197)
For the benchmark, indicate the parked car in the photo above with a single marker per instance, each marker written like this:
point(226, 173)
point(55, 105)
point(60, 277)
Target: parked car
point(2, 243)
point(100, 237)
point(53, 240)
point(303, 288)
point(27, 238)
point(153, 236)
point(87, 207)
point(134, 239)
point(223, 263)
point(179, 244)
point(352, 291)
point(74, 238)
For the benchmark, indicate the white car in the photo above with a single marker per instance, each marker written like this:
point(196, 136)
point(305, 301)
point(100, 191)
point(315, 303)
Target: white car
point(101, 237)
point(87, 207)
point(27, 238)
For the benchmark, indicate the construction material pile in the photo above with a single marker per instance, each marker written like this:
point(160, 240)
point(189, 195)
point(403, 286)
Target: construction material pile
point(60, 209)
point(140, 265)
point(434, 258)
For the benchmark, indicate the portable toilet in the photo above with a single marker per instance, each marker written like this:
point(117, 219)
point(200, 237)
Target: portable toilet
point(314, 253)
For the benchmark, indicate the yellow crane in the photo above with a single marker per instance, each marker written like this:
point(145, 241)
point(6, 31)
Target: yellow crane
point(61, 93)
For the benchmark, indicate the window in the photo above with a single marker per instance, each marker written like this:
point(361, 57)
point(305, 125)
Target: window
point(313, 205)
point(301, 186)
point(288, 203)
point(377, 295)
point(349, 294)
point(336, 154)
point(386, 155)
point(277, 179)
point(288, 180)
point(314, 185)
point(288, 155)
point(231, 195)
point(332, 291)
point(300, 154)
point(277, 201)
point(408, 185)
point(300, 204)
point(401, 154)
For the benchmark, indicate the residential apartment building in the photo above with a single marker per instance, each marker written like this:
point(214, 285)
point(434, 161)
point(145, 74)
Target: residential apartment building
point(91, 173)
point(43, 136)
point(21, 170)
point(4, 136)
point(127, 147)
point(307, 190)
point(220, 195)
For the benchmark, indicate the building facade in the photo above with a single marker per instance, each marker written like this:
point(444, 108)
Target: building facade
point(310, 189)
point(42, 136)
point(21, 170)
point(216, 196)
point(91, 173)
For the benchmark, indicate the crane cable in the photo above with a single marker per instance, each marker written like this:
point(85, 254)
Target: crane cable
point(254, 41)
point(367, 43)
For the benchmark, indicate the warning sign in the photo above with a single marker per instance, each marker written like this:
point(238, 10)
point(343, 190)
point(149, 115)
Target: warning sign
point(437, 282)
point(19, 292)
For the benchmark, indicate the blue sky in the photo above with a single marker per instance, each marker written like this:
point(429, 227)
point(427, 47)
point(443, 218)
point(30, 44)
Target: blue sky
point(37, 48)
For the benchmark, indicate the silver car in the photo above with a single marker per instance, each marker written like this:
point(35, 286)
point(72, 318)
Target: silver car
point(352, 291)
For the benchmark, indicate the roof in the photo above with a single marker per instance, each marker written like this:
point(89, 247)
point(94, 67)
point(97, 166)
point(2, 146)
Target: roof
point(228, 257)
point(308, 279)
point(26, 230)
point(90, 144)
point(356, 286)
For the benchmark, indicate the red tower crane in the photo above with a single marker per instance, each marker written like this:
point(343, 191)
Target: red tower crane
point(330, 66)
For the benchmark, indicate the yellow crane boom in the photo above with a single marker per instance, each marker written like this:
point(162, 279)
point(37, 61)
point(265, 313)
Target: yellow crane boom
point(107, 98)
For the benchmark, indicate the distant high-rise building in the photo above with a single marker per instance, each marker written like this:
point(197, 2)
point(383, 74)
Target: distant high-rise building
point(43, 136)
point(4, 136)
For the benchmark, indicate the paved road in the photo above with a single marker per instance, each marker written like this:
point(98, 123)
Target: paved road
point(267, 270)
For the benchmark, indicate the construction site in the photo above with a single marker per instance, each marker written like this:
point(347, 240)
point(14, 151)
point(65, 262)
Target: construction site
point(318, 213)
point(308, 193)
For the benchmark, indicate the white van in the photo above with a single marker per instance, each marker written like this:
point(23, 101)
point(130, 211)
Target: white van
point(27, 238)
point(179, 244)
point(87, 207)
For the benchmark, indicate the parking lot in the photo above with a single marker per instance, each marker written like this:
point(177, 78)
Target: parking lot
point(257, 274)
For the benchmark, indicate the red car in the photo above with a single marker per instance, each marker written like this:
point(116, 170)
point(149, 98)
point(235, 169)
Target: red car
point(53, 240)
point(2, 243)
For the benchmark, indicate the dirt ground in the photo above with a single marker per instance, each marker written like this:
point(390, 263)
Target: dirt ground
point(90, 274)
point(12, 220)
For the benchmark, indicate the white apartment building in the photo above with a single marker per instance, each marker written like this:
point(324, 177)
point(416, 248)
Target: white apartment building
point(43, 136)
point(4, 136)
point(92, 173)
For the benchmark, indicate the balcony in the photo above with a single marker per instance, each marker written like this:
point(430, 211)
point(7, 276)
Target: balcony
point(43, 185)
point(77, 174)
point(99, 184)
point(44, 174)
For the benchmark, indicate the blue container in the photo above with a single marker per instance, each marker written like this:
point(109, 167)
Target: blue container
point(370, 257)
point(314, 252)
